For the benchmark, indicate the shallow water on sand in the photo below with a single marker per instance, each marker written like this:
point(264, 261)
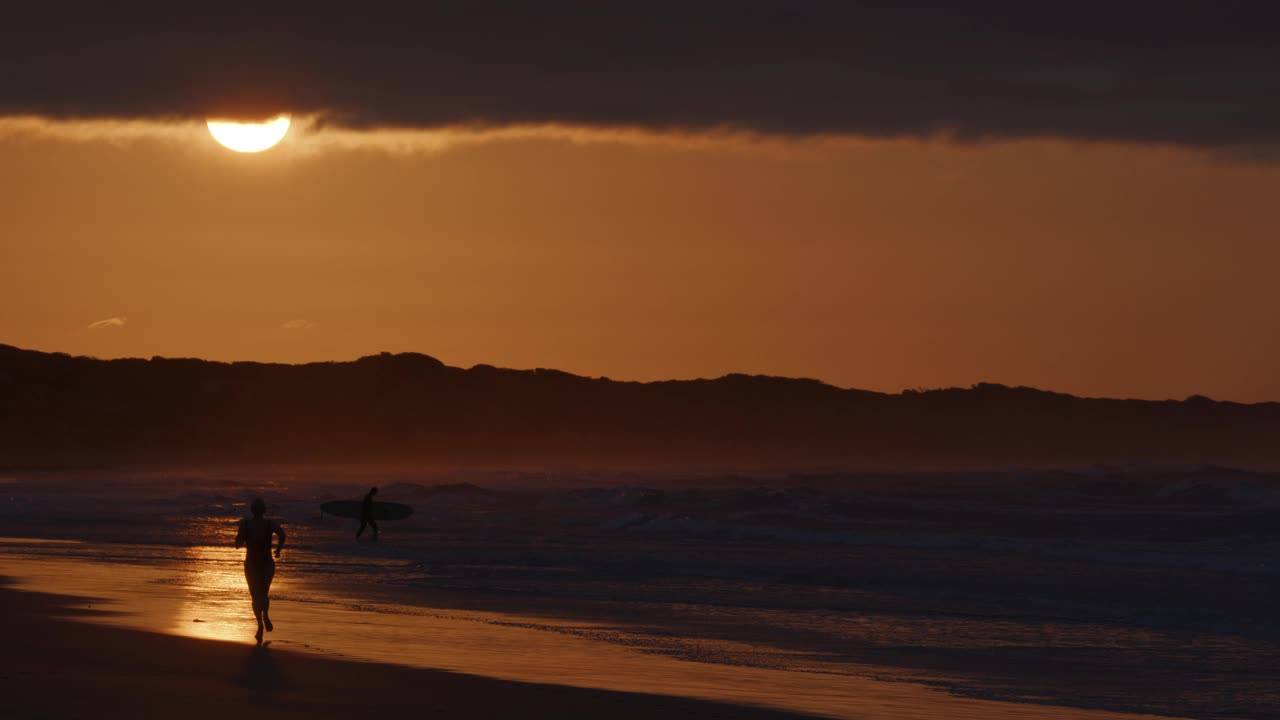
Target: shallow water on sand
point(199, 591)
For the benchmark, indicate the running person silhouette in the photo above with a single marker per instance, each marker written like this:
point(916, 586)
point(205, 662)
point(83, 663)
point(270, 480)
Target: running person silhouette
point(255, 536)
point(366, 514)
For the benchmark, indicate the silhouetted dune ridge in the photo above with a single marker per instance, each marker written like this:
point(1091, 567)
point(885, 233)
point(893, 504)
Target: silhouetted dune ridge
point(60, 410)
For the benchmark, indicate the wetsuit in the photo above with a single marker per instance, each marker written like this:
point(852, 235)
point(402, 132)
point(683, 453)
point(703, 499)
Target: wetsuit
point(366, 517)
point(259, 567)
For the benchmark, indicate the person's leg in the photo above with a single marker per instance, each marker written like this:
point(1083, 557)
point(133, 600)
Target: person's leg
point(251, 576)
point(363, 524)
point(269, 572)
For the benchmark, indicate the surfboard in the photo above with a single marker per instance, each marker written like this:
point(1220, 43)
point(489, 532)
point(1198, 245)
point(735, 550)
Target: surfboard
point(351, 509)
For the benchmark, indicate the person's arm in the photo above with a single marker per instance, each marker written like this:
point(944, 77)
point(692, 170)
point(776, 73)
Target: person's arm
point(280, 532)
point(240, 536)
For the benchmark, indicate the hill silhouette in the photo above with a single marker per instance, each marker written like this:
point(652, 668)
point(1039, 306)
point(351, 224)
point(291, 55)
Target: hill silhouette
point(65, 411)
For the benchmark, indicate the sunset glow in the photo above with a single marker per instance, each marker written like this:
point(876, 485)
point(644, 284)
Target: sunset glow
point(767, 360)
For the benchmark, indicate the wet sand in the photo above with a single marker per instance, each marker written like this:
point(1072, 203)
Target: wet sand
point(52, 668)
point(56, 665)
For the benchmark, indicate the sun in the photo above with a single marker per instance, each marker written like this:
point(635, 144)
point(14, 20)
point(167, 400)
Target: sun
point(248, 137)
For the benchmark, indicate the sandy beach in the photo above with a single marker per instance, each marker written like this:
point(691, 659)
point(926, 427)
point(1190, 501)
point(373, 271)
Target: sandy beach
point(54, 668)
point(63, 658)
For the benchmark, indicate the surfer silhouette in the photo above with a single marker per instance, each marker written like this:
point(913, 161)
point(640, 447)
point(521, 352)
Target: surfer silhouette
point(259, 568)
point(366, 514)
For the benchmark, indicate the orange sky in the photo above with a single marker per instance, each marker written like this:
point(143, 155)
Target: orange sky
point(1088, 268)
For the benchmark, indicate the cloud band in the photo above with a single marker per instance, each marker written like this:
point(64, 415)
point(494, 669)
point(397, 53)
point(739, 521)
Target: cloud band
point(1195, 74)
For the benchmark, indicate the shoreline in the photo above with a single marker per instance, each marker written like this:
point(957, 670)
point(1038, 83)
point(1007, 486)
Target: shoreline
point(64, 657)
point(202, 599)
point(55, 667)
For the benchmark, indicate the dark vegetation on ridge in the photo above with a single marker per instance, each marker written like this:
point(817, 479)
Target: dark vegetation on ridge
point(62, 411)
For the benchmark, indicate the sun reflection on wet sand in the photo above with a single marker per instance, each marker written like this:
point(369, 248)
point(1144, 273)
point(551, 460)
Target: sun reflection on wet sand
point(215, 601)
point(208, 586)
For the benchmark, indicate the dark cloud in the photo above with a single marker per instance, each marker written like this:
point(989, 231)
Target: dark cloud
point(1205, 74)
